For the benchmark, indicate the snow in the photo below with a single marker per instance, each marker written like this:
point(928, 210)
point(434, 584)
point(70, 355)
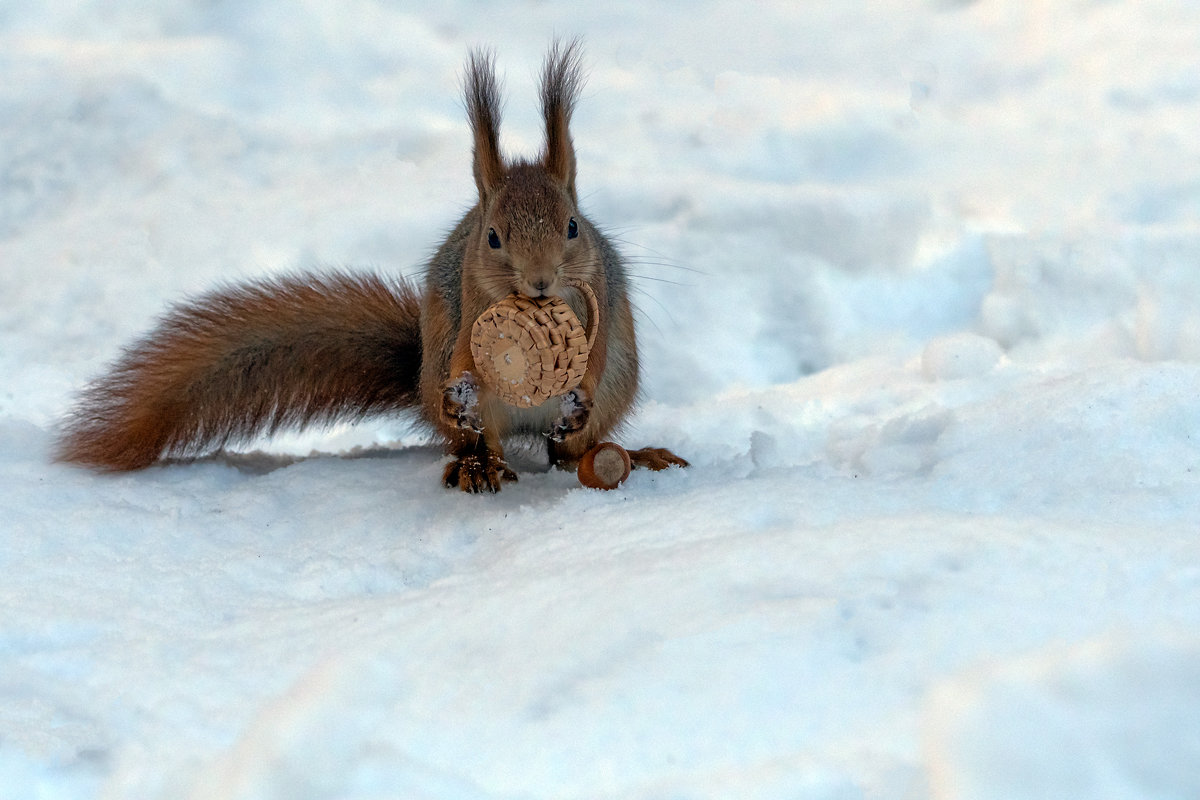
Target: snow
point(919, 298)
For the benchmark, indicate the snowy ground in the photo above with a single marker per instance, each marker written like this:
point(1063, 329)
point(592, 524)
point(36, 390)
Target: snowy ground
point(920, 300)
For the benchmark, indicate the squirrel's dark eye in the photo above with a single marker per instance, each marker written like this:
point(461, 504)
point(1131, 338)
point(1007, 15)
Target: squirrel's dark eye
point(493, 239)
point(572, 229)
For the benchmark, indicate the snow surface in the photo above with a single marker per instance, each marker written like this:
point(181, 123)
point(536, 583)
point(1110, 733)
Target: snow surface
point(919, 292)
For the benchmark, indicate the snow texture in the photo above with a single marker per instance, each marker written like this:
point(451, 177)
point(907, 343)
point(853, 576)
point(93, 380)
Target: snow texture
point(919, 298)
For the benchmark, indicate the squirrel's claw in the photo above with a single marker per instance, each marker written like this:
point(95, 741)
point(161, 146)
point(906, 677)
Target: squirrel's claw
point(576, 407)
point(460, 404)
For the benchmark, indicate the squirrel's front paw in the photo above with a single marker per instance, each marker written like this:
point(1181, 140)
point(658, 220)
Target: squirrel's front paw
point(460, 404)
point(576, 407)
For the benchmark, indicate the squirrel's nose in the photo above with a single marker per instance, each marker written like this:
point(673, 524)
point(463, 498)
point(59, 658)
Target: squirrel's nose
point(538, 281)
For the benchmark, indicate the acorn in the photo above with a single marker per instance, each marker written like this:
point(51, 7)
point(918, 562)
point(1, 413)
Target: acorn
point(605, 466)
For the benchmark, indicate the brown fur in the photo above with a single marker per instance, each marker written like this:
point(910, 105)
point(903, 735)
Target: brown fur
point(483, 112)
point(248, 360)
point(312, 349)
point(562, 80)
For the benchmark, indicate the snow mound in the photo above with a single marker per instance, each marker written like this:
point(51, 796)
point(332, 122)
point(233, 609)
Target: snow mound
point(1113, 718)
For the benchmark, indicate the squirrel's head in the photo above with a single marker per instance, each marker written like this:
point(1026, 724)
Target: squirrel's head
point(531, 233)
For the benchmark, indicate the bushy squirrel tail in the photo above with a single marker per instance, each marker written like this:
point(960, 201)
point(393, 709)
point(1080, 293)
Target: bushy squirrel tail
point(252, 359)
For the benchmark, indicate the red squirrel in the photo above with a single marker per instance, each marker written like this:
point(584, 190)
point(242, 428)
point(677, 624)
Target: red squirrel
point(318, 348)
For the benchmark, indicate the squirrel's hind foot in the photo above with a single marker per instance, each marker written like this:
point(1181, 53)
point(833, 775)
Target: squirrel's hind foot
point(655, 458)
point(476, 474)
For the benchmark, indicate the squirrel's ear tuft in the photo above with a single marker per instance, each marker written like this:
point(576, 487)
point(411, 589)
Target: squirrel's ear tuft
point(562, 79)
point(482, 95)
